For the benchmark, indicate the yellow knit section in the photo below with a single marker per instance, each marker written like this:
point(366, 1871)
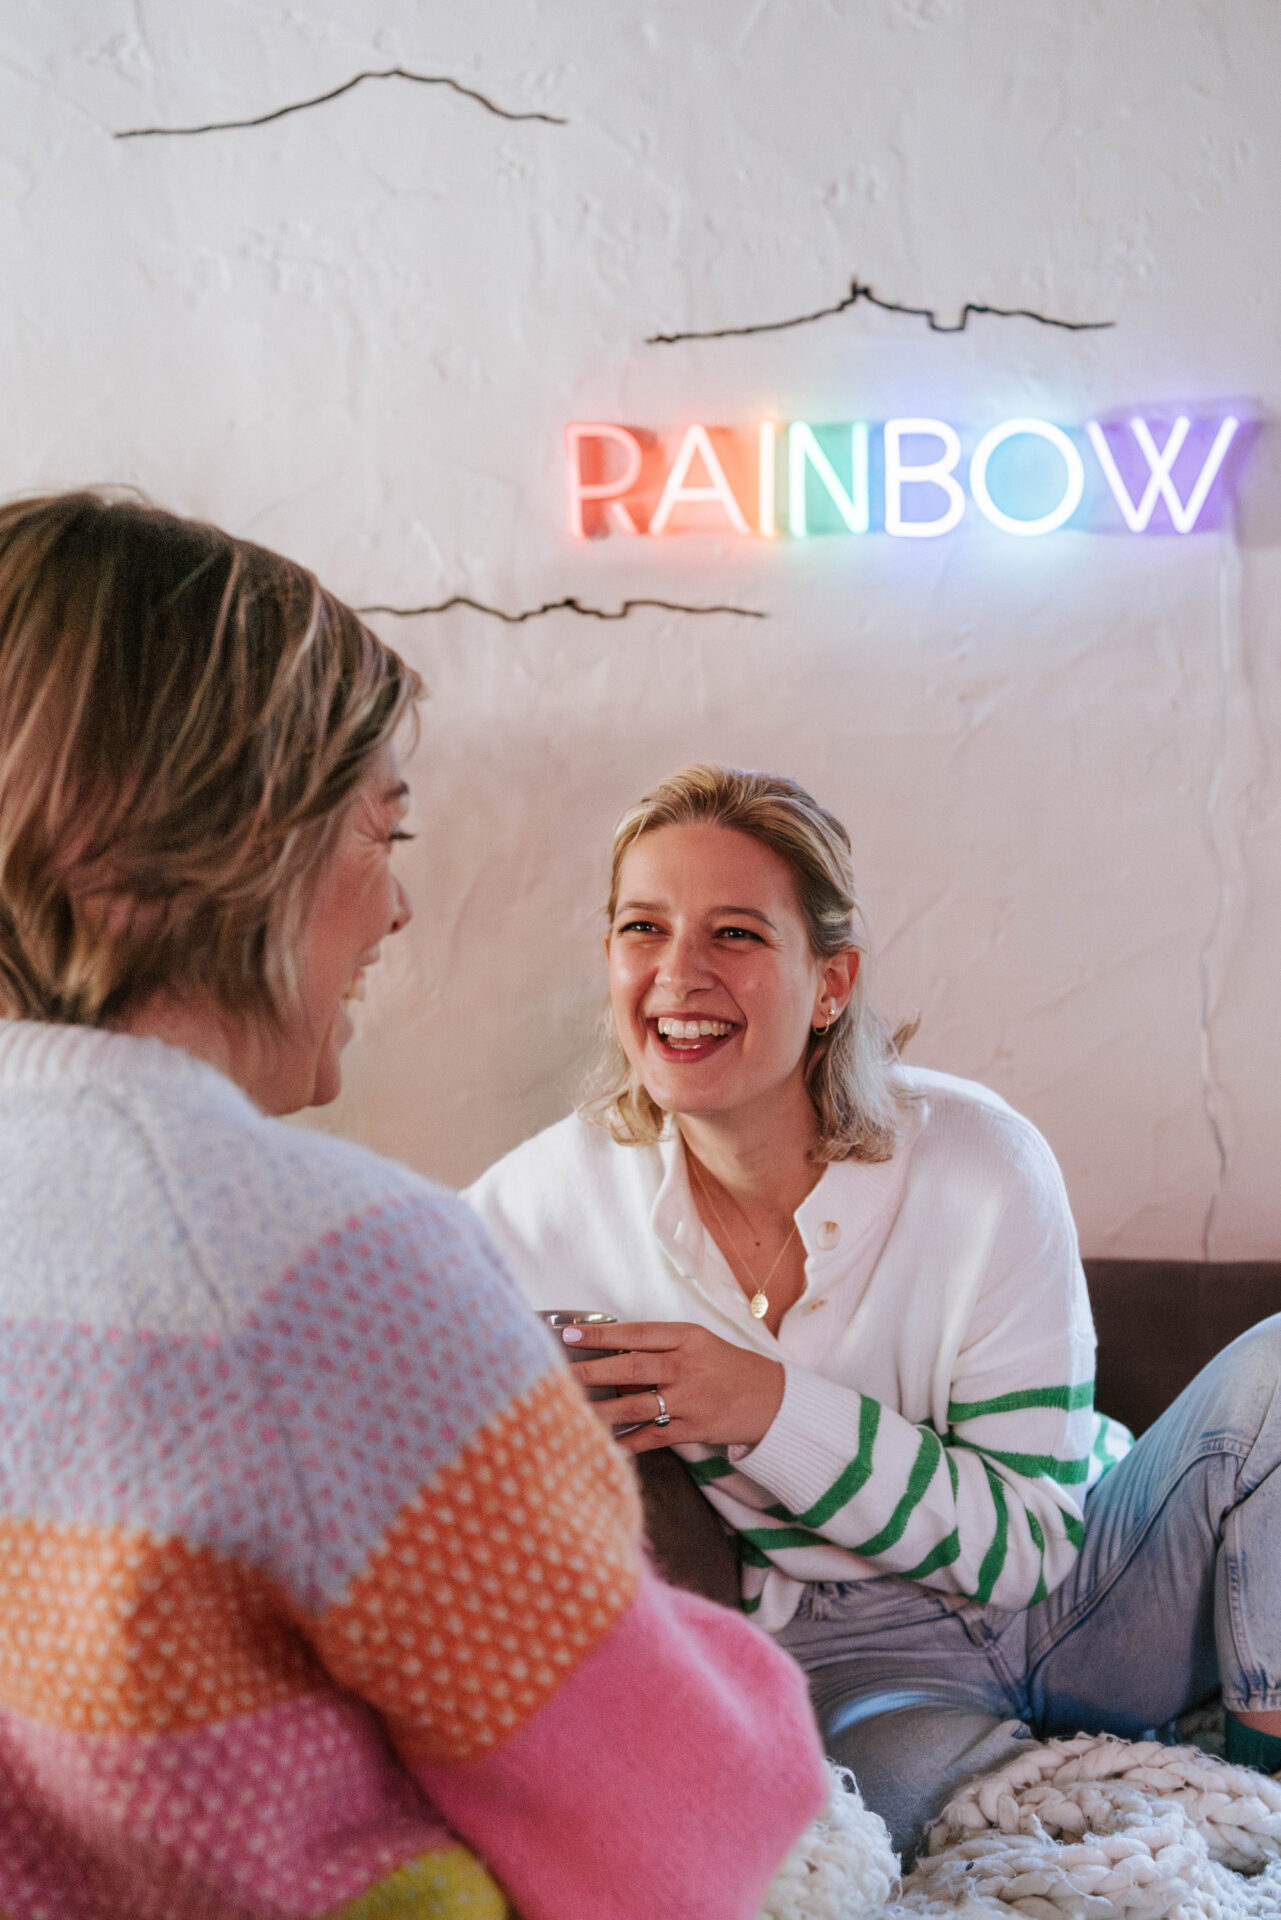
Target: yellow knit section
point(451, 1885)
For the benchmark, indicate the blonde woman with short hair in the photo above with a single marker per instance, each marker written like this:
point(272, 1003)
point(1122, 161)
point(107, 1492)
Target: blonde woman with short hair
point(850, 1297)
point(320, 1590)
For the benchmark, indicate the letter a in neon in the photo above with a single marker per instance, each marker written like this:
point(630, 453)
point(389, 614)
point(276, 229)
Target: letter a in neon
point(1184, 514)
point(698, 442)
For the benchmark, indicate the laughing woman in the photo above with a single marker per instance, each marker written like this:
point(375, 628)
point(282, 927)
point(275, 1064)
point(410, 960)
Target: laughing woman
point(852, 1299)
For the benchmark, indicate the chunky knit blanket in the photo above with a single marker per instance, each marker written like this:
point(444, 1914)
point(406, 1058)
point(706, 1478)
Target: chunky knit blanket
point(1092, 1828)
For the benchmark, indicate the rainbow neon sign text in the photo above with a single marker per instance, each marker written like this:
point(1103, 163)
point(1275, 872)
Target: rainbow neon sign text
point(910, 477)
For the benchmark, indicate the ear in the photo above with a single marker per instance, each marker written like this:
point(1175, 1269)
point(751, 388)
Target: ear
point(836, 981)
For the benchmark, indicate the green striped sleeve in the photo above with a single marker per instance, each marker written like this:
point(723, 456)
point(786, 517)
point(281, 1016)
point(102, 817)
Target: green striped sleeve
point(703, 1471)
point(1038, 1540)
point(853, 1477)
point(1033, 1466)
point(775, 1539)
point(1070, 1399)
point(942, 1555)
point(924, 1468)
point(994, 1558)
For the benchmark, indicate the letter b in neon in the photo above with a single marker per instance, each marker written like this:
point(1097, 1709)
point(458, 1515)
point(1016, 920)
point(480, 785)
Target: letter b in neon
point(934, 473)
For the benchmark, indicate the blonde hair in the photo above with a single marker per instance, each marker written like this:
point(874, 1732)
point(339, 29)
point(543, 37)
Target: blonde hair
point(183, 716)
point(851, 1069)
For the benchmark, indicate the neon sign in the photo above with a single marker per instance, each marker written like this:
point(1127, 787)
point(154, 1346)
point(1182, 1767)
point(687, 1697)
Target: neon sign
point(906, 477)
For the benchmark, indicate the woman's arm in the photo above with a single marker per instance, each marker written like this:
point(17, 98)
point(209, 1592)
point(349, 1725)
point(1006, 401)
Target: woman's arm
point(990, 1509)
point(825, 1481)
point(587, 1730)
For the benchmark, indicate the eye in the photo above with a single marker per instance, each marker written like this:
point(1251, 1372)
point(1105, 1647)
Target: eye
point(637, 926)
point(738, 933)
point(398, 833)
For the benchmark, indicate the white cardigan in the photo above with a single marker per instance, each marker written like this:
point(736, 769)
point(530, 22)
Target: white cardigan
point(937, 1417)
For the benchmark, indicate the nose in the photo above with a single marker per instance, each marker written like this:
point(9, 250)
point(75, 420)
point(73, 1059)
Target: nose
point(684, 967)
point(402, 909)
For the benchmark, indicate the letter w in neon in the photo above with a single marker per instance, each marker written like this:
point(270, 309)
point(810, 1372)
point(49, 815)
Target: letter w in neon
point(1160, 460)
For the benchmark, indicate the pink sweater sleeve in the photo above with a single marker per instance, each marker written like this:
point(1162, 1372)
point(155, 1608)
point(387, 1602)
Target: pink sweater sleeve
point(611, 1749)
point(667, 1776)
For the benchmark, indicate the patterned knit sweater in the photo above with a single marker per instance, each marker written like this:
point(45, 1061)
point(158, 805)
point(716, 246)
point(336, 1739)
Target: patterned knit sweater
point(319, 1584)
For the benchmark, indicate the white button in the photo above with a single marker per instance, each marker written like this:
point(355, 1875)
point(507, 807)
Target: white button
point(828, 1235)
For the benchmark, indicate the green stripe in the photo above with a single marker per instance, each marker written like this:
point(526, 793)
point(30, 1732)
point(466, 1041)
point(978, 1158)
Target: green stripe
point(1068, 1398)
point(701, 1471)
point(751, 1553)
point(1034, 1528)
point(940, 1556)
point(752, 1605)
point(1033, 1466)
point(994, 1558)
point(923, 1471)
point(778, 1539)
point(952, 1472)
point(1074, 1529)
point(853, 1477)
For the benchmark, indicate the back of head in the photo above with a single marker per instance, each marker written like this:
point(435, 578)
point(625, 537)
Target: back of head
point(850, 1069)
point(182, 717)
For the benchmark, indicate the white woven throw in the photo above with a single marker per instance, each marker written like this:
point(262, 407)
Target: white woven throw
point(1092, 1828)
point(841, 1868)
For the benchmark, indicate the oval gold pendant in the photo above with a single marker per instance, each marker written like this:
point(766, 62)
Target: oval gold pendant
point(758, 1306)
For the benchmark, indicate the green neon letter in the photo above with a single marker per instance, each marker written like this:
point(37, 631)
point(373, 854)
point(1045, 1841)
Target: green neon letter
point(803, 452)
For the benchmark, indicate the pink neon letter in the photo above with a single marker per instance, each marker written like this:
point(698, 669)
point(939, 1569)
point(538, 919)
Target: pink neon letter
point(697, 441)
point(605, 490)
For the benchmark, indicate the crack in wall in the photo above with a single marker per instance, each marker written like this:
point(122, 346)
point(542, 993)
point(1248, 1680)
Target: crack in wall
point(858, 291)
point(569, 605)
point(323, 99)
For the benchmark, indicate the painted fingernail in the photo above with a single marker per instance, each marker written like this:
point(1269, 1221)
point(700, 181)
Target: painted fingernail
point(571, 1334)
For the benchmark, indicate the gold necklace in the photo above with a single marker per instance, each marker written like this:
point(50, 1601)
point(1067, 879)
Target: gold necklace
point(758, 1305)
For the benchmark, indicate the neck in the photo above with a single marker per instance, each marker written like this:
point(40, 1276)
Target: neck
point(237, 1048)
point(764, 1158)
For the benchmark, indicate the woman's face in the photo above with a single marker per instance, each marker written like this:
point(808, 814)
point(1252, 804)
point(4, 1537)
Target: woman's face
point(712, 982)
point(358, 902)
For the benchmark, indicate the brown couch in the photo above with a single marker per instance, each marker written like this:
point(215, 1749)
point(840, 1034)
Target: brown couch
point(1158, 1323)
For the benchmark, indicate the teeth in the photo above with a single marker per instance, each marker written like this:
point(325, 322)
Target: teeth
point(694, 1029)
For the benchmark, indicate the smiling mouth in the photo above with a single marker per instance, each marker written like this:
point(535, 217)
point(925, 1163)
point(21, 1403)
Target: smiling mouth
point(690, 1037)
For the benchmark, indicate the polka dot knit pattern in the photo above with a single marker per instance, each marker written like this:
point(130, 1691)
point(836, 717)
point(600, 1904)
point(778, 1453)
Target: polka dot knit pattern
point(276, 1526)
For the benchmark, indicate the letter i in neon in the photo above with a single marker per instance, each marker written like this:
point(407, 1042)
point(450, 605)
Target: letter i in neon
point(765, 479)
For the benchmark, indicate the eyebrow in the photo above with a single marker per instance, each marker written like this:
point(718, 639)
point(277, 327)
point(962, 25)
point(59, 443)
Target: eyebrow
point(652, 906)
point(399, 791)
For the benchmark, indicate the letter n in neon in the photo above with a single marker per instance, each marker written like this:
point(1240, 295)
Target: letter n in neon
point(804, 455)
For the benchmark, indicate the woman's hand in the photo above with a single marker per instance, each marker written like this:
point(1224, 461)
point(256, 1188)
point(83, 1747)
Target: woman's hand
point(716, 1393)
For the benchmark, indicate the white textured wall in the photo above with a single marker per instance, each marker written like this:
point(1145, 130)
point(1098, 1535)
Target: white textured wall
point(357, 333)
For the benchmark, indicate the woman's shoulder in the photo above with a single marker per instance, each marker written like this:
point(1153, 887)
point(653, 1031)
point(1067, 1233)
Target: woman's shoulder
point(565, 1181)
point(955, 1117)
point(258, 1193)
point(572, 1149)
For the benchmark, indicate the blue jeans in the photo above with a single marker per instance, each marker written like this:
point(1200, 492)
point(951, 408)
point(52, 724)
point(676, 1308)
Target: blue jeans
point(1176, 1595)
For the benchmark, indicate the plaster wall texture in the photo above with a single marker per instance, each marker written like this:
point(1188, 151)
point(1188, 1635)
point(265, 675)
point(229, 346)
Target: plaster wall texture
point(357, 333)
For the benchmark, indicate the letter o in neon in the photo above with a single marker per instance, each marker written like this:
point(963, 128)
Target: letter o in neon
point(1043, 430)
